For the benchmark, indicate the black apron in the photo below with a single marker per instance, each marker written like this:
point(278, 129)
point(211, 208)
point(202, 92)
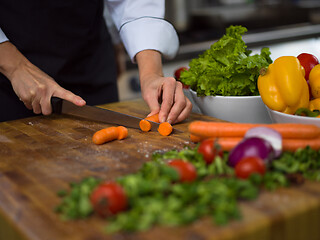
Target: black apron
point(68, 40)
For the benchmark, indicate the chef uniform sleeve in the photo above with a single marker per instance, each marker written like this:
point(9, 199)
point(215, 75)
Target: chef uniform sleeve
point(142, 26)
point(3, 37)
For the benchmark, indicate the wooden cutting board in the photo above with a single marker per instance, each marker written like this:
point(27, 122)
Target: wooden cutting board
point(41, 155)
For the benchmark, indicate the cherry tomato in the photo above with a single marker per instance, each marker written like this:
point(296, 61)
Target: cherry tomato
point(209, 151)
point(108, 198)
point(308, 61)
point(177, 74)
point(185, 169)
point(248, 165)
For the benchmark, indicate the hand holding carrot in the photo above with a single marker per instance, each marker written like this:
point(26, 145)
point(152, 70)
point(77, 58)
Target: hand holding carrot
point(164, 95)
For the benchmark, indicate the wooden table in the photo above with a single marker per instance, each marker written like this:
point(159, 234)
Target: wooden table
point(41, 155)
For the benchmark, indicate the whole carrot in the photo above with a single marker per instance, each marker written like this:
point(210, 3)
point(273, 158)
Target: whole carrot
point(109, 134)
point(294, 144)
point(145, 125)
point(228, 143)
point(225, 129)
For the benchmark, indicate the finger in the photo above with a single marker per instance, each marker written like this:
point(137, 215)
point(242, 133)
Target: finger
point(69, 96)
point(185, 112)
point(168, 98)
point(28, 105)
point(152, 101)
point(45, 104)
point(36, 106)
point(180, 102)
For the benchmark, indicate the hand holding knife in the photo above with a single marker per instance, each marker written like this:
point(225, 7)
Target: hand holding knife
point(93, 113)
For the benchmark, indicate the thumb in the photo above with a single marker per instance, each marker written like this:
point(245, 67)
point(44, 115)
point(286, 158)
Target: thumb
point(154, 106)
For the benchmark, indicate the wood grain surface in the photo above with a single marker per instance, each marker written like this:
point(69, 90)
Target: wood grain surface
point(41, 155)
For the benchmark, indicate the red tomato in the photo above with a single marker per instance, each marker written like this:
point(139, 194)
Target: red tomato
point(108, 198)
point(248, 165)
point(308, 61)
point(177, 74)
point(209, 151)
point(185, 169)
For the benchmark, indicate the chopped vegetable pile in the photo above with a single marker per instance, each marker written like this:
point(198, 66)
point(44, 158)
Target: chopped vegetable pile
point(227, 68)
point(156, 194)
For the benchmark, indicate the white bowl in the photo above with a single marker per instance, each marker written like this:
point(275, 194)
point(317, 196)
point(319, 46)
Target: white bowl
point(279, 117)
point(242, 109)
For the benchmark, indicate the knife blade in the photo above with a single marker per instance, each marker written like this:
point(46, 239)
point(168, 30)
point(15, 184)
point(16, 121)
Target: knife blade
point(61, 106)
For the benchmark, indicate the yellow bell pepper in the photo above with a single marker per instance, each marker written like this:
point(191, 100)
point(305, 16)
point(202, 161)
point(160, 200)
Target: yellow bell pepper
point(314, 81)
point(283, 87)
point(314, 104)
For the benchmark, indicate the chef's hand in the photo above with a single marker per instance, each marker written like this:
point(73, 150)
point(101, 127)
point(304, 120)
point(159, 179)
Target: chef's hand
point(164, 95)
point(32, 86)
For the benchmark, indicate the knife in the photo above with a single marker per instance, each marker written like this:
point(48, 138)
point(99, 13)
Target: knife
point(60, 106)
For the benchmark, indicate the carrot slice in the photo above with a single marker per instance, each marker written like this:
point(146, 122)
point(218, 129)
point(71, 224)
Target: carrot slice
point(145, 125)
point(225, 129)
point(122, 132)
point(165, 128)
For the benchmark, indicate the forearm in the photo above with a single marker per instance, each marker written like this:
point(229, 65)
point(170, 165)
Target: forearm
point(10, 59)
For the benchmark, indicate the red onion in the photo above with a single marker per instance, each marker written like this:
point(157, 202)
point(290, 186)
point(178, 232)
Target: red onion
point(269, 134)
point(253, 146)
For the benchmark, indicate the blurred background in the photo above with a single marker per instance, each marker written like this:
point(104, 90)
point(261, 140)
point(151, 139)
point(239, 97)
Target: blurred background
point(287, 27)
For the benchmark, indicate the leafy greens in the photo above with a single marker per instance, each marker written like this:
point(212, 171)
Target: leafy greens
point(227, 68)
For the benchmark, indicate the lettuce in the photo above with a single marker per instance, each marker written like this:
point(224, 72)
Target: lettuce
point(227, 68)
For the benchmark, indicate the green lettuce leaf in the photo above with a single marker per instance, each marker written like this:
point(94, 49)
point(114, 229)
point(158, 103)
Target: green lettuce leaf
point(227, 68)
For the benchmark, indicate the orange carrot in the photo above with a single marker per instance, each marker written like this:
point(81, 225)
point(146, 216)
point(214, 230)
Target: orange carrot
point(165, 128)
point(195, 138)
point(145, 125)
point(109, 134)
point(294, 144)
point(122, 132)
point(228, 143)
point(226, 129)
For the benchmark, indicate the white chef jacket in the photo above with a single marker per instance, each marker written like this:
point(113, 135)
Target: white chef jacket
point(141, 26)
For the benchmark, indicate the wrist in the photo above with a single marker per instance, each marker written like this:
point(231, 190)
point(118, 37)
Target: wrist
point(10, 59)
point(149, 64)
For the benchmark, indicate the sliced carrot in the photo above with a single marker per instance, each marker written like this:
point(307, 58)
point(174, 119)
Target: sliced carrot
point(109, 134)
point(165, 128)
point(145, 125)
point(122, 132)
point(225, 129)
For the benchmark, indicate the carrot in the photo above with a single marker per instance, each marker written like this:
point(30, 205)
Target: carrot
point(109, 134)
point(145, 125)
point(228, 143)
point(122, 132)
point(195, 138)
point(165, 128)
point(294, 144)
point(226, 129)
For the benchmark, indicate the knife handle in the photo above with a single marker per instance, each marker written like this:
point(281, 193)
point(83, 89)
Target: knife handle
point(56, 104)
